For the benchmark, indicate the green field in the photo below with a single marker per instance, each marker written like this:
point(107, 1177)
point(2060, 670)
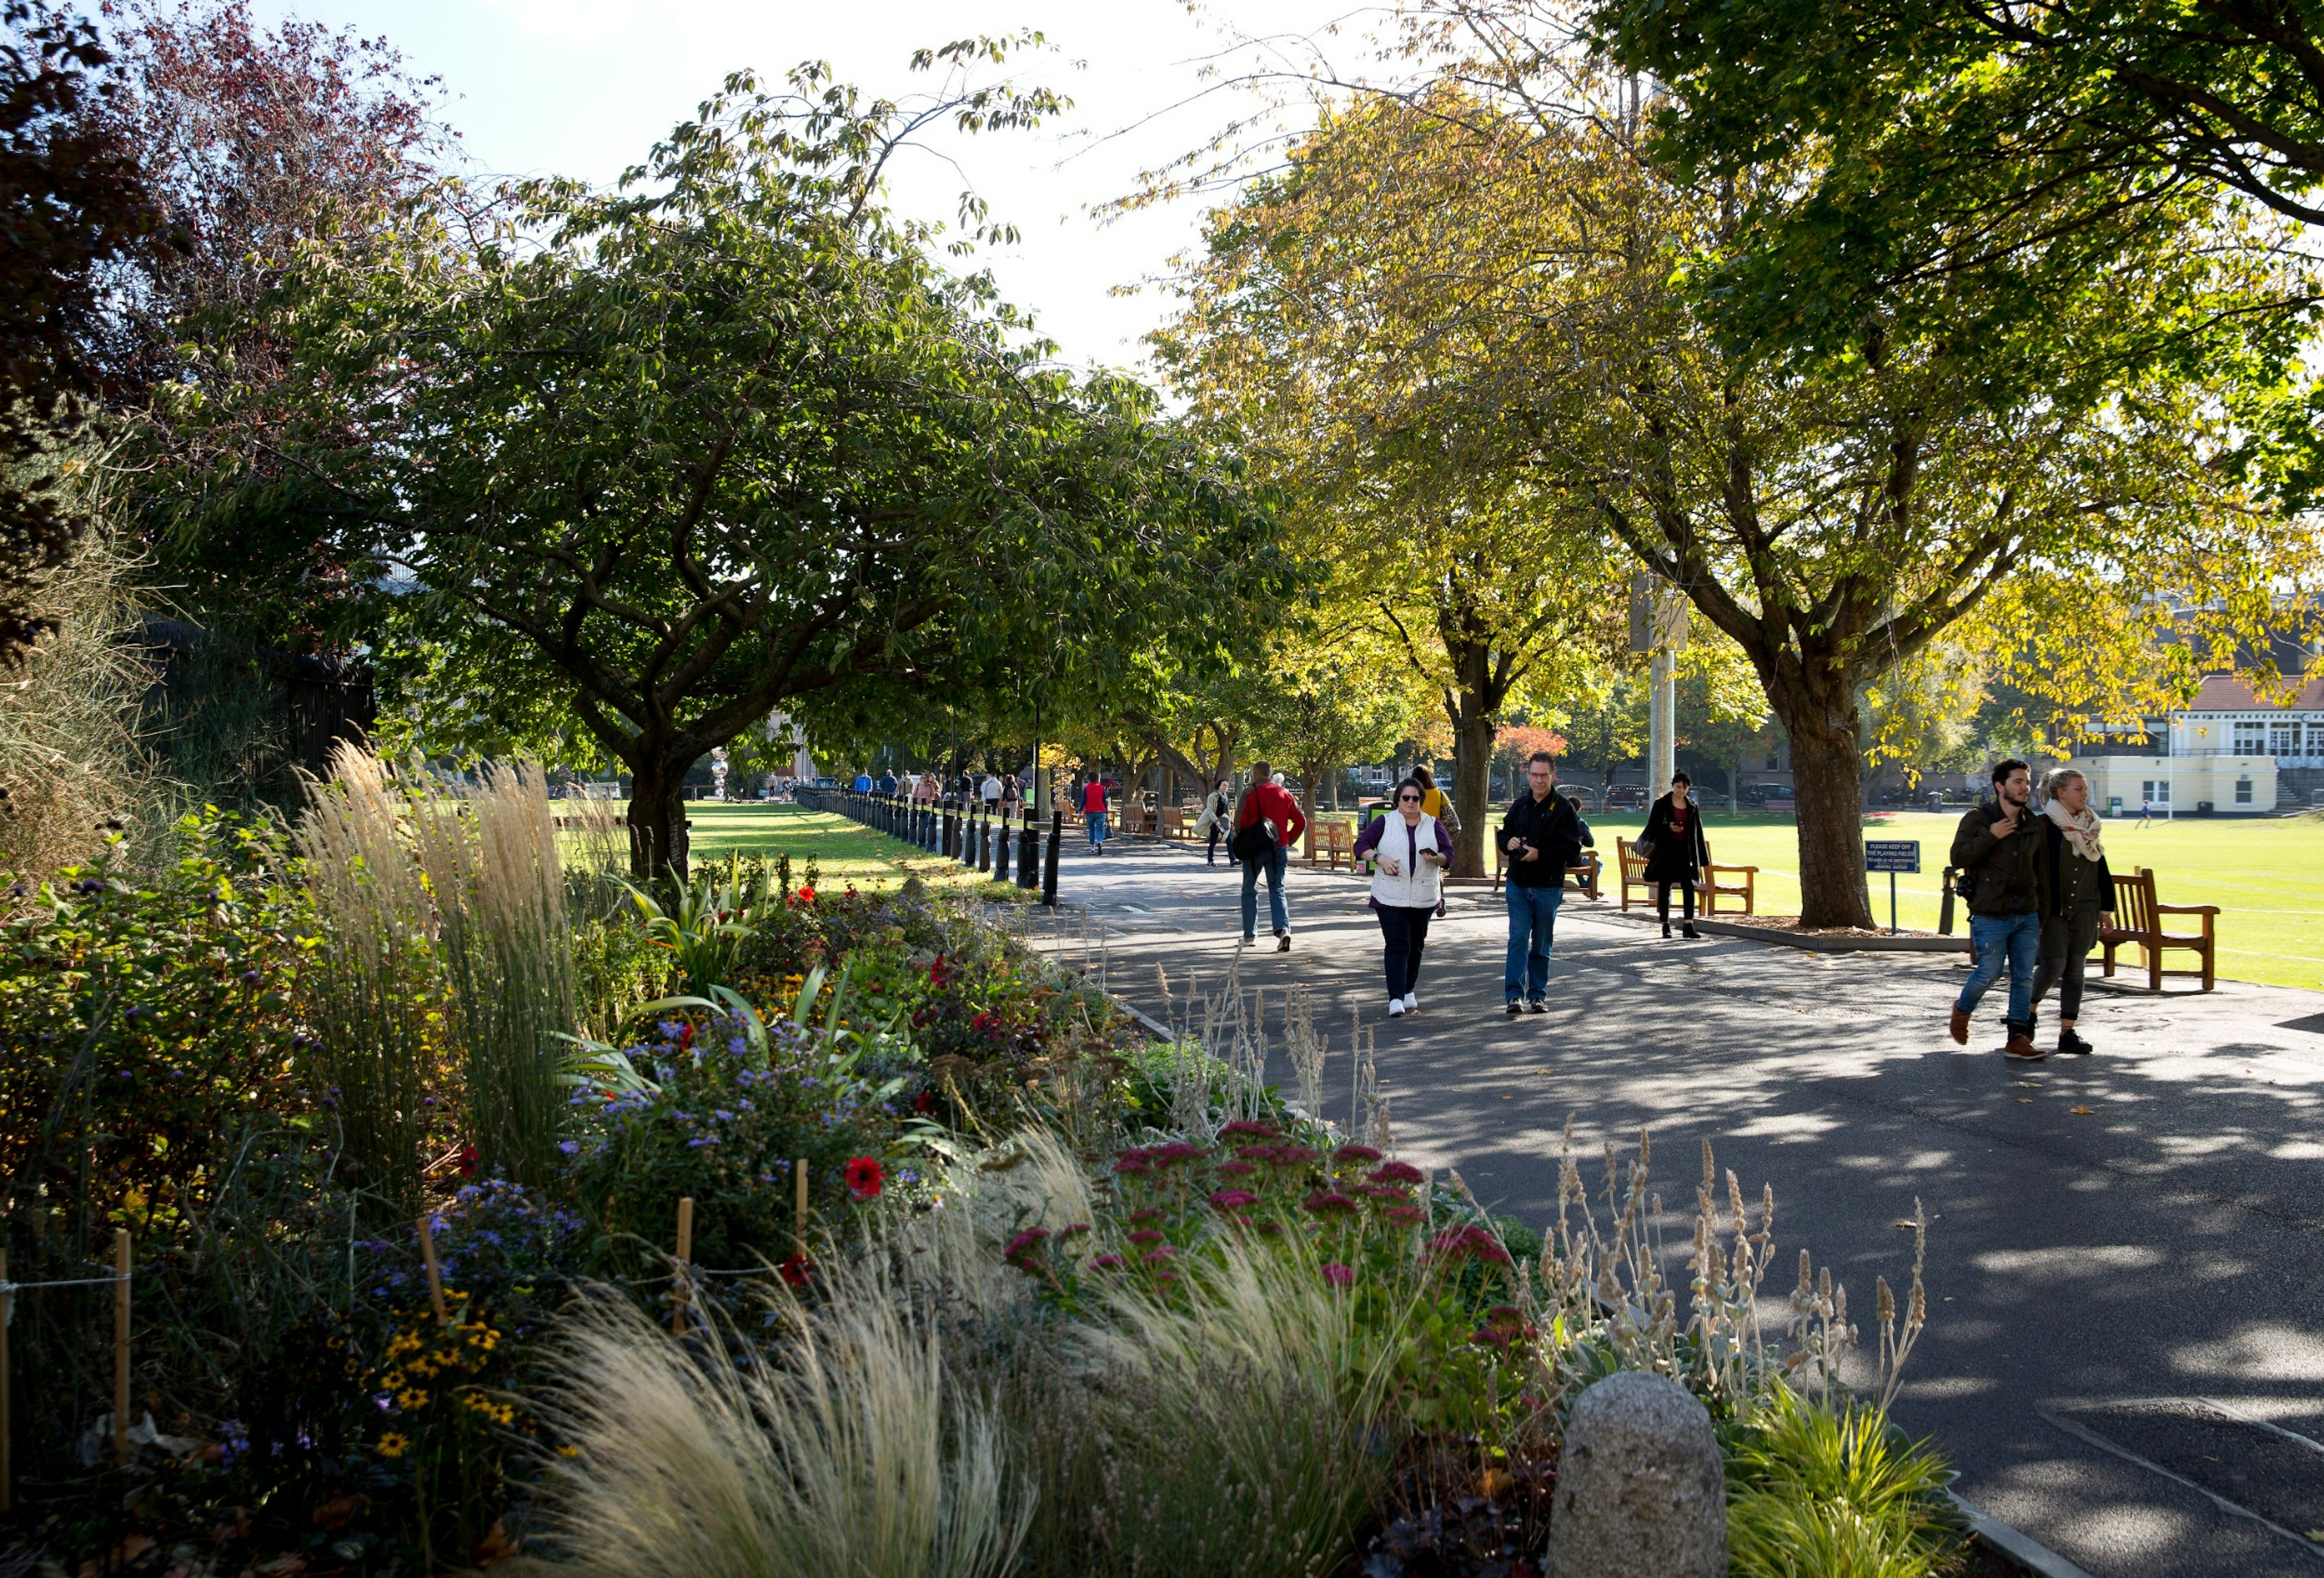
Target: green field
point(2267, 876)
point(845, 851)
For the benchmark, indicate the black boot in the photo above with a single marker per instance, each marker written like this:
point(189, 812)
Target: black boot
point(1688, 930)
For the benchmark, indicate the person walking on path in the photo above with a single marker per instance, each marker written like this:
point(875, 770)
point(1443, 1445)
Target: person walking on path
point(1012, 796)
point(2077, 897)
point(1998, 852)
point(1094, 812)
point(1218, 813)
point(1410, 853)
point(1677, 853)
point(862, 783)
point(888, 781)
point(1267, 825)
point(929, 789)
point(1541, 836)
point(991, 791)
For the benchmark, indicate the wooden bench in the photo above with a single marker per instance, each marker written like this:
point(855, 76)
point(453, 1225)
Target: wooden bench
point(2138, 921)
point(1335, 849)
point(1174, 822)
point(1582, 878)
point(1717, 881)
point(1634, 872)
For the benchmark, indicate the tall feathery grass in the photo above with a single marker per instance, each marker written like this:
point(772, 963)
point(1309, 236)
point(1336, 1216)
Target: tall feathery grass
point(68, 757)
point(489, 851)
point(444, 973)
point(372, 994)
point(849, 1449)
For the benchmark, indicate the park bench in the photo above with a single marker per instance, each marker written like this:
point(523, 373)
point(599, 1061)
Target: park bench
point(2138, 921)
point(1335, 848)
point(1731, 882)
point(1582, 878)
point(1173, 822)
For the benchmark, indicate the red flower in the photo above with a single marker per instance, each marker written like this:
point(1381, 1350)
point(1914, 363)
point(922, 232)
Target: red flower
point(1330, 1205)
point(807, 895)
point(797, 1271)
point(1460, 1242)
point(469, 1156)
point(1396, 1172)
point(1233, 1199)
point(865, 1178)
point(1021, 1247)
point(1337, 1275)
point(1355, 1153)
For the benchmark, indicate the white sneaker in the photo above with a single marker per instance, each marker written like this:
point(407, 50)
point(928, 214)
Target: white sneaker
point(1411, 1004)
point(1396, 1008)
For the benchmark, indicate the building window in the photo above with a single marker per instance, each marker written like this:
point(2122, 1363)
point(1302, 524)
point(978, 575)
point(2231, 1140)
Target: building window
point(2283, 737)
point(2242, 791)
point(2154, 791)
point(2316, 737)
point(2251, 738)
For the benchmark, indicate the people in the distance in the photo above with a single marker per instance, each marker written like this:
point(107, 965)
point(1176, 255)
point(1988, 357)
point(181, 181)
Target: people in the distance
point(1218, 811)
point(1408, 854)
point(1093, 809)
point(928, 788)
point(1539, 837)
point(2077, 897)
point(862, 783)
point(1012, 796)
point(990, 791)
point(1267, 825)
point(888, 782)
point(1676, 851)
point(1997, 851)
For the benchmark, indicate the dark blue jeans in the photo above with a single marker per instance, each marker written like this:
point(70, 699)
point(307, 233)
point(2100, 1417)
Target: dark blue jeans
point(1405, 933)
point(1097, 830)
point(1278, 909)
point(1533, 918)
point(2013, 940)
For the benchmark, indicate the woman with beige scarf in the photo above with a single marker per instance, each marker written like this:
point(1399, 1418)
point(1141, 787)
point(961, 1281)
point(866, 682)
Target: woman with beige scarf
point(2077, 896)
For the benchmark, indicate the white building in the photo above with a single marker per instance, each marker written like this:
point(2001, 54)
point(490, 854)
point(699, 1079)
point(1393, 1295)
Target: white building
point(2229, 748)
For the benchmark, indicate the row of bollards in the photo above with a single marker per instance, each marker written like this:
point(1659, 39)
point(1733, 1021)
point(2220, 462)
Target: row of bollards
point(977, 833)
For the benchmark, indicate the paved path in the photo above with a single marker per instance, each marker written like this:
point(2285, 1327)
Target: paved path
point(2147, 1279)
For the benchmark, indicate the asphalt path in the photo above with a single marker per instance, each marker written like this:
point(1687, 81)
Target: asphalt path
point(2126, 1357)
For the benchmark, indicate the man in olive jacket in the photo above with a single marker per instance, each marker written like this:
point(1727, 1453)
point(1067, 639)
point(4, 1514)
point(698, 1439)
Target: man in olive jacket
point(1999, 849)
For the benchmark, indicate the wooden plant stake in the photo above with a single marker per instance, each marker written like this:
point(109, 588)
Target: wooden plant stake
point(8, 1311)
point(683, 1287)
point(121, 1345)
point(799, 1210)
point(435, 1271)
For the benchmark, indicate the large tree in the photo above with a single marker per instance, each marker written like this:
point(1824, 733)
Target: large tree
point(727, 438)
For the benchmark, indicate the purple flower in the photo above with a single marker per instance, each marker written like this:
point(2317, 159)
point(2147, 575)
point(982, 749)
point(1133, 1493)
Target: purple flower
point(1338, 1276)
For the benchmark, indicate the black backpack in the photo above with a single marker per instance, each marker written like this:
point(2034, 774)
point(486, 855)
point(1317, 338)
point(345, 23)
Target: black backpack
point(1256, 842)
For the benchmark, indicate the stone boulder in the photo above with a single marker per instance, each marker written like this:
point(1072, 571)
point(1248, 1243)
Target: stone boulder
point(1640, 1490)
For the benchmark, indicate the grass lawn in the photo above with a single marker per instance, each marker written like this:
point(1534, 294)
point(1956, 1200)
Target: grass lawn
point(2266, 875)
point(845, 850)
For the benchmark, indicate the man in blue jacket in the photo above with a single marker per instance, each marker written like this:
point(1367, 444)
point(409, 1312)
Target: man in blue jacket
point(1540, 837)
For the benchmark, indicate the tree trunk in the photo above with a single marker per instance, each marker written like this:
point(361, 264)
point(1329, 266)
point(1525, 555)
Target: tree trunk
point(1473, 762)
point(1828, 788)
point(658, 820)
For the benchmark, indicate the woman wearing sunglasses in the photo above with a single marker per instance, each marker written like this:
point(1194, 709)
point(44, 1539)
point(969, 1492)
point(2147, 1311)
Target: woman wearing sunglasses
point(1408, 854)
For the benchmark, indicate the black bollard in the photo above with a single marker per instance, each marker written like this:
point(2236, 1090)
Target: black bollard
point(984, 844)
point(968, 844)
point(1028, 854)
point(1001, 849)
point(951, 830)
point(1049, 863)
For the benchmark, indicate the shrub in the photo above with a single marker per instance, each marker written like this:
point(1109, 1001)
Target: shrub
point(1816, 1489)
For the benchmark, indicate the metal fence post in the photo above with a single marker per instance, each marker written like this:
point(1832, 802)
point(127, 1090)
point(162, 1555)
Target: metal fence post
point(1001, 849)
point(1028, 854)
point(1049, 863)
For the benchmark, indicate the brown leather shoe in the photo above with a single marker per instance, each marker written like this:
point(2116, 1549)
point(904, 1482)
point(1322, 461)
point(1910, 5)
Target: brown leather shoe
point(1961, 1026)
point(2022, 1047)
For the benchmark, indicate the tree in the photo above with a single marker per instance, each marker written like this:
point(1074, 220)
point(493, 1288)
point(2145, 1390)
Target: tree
point(1830, 515)
point(1315, 318)
point(70, 206)
point(727, 438)
point(1326, 697)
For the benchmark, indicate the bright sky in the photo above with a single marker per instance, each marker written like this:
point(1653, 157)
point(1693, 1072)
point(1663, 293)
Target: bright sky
point(584, 87)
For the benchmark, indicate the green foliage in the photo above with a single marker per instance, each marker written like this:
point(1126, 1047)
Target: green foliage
point(1834, 1490)
point(144, 1021)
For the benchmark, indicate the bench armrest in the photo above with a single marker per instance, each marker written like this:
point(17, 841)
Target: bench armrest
point(2186, 909)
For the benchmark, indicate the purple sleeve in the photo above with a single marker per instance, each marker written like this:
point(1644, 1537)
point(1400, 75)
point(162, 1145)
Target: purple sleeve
point(1368, 839)
point(1444, 844)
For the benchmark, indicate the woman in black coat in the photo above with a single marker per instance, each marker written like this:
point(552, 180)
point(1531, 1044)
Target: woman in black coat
point(1676, 851)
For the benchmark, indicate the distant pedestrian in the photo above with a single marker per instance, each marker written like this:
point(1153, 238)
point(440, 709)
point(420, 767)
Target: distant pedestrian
point(1267, 825)
point(928, 789)
point(1676, 851)
point(990, 791)
point(1094, 807)
point(888, 782)
point(2077, 897)
point(862, 783)
point(1998, 852)
point(1218, 810)
point(1540, 836)
point(2145, 813)
point(1408, 854)
point(1012, 796)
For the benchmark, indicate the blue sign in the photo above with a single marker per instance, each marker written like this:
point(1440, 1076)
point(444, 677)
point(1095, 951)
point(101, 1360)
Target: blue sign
point(1893, 855)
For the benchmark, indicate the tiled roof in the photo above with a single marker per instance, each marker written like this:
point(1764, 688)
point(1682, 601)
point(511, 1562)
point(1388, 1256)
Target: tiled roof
point(2225, 693)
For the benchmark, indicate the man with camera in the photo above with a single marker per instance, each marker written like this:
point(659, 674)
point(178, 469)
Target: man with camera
point(1540, 837)
point(1997, 850)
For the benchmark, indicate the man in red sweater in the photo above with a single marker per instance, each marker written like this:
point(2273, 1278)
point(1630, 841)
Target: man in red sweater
point(1265, 801)
point(1094, 812)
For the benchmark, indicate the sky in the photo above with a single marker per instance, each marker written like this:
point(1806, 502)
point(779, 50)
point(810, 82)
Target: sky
point(584, 87)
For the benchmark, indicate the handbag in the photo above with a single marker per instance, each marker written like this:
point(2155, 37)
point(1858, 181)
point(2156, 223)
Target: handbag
point(1644, 849)
point(1256, 842)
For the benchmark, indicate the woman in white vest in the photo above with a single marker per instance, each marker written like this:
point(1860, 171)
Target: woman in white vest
point(1408, 852)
